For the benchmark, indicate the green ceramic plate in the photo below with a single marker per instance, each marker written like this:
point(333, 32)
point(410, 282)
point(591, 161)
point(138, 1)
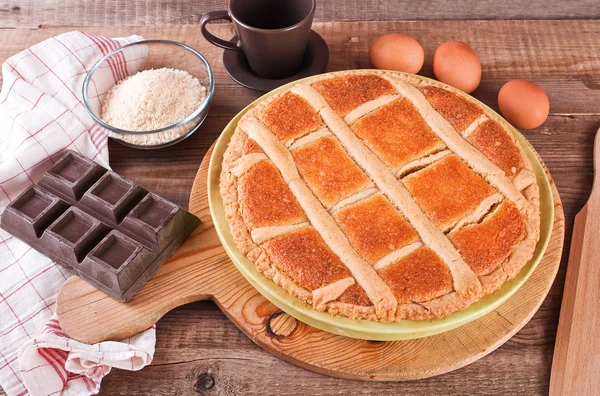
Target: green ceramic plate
point(366, 329)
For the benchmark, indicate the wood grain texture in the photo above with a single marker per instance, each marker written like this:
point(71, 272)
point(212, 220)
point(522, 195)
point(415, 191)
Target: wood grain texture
point(239, 367)
point(31, 13)
point(576, 361)
point(563, 57)
point(197, 338)
point(201, 270)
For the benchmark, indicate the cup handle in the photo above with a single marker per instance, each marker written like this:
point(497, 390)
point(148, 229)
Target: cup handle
point(214, 15)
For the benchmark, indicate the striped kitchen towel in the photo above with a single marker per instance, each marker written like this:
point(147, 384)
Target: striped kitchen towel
point(42, 115)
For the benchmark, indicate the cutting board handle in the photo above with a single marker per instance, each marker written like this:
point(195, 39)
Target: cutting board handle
point(179, 281)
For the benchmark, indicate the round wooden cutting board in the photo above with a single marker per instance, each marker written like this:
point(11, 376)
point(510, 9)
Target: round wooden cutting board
point(201, 270)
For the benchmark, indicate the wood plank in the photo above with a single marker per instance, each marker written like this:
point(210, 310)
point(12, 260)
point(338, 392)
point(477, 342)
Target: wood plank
point(237, 375)
point(22, 13)
point(562, 56)
point(197, 339)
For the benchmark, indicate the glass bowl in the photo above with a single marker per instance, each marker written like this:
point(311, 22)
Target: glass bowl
point(129, 59)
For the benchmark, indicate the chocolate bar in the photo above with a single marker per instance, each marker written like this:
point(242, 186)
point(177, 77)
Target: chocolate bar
point(105, 228)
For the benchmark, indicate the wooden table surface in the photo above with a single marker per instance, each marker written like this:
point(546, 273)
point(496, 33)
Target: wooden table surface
point(554, 43)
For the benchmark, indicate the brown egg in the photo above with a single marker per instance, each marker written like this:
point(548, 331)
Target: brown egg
point(523, 103)
point(397, 52)
point(456, 64)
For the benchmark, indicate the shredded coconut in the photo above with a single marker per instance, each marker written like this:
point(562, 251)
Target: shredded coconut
point(153, 99)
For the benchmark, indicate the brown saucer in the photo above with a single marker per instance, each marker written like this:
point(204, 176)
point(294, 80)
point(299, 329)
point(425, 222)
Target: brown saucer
point(315, 61)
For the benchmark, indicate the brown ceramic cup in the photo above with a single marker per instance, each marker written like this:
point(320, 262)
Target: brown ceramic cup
point(272, 33)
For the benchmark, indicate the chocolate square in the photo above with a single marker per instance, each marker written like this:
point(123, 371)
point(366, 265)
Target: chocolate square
point(32, 203)
point(116, 251)
point(71, 176)
point(71, 168)
point(111, 198)
point(116, 262)
point(73, 235)
point(32, 212)
point(146, 220)
point(154, 211)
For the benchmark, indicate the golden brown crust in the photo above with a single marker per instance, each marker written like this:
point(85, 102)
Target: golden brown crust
point(329, 171)
point(290, 117)
point(251, 147)
point(492, 140)
point(397, 133)
point(458, 111)
point(375, 228)
point(415, 297)
point(447, 190)
point(346, 93)
point(304, 257)
point(487, 244)
point(420, 276)
point(355, 295)
point(267, 200)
